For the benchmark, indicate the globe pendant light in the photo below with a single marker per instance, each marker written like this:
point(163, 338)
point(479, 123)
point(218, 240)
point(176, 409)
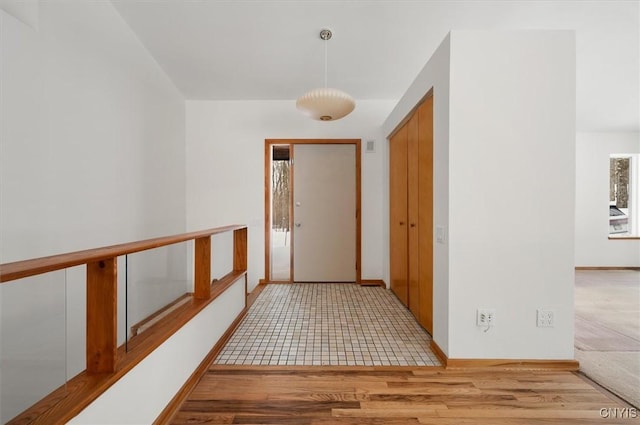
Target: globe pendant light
point(326, 104)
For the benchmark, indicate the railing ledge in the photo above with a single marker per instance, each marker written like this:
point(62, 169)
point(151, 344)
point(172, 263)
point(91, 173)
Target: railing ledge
point(36, 266)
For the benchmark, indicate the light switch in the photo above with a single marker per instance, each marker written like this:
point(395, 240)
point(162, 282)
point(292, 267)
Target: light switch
point(440, 238)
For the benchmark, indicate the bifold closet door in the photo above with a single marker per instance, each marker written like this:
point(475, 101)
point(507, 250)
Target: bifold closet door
point(398, 214)
point(411, 213)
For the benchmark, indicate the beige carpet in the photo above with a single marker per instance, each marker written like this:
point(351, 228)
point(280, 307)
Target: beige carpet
point(616, 371)
point(607, 332)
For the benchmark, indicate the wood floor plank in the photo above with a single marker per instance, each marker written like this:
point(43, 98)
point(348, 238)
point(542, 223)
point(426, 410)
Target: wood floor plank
point(190, 418)
point(432, 385)
point(562, 413)
point(404, 405)
point(268, 408)
point(387, 412)
point(520, 405)
point(365, 421)
point(334, 396)
point(426, 390)
point(562, 398)
point(437, 398)
point(273, 420)
point(514, 421)
point(515, 385)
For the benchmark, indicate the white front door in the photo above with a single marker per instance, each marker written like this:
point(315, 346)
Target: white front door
point(324, 213)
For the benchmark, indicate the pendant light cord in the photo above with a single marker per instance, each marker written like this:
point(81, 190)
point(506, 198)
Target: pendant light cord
point(325, 63)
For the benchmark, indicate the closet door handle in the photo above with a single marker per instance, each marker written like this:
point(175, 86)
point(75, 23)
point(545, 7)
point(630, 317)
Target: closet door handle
point(402, 223)
point(413, 224)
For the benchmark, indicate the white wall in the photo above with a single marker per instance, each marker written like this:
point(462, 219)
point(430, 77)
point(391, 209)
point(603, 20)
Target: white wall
point(91, 146)
point(20, 81)
point(593, 248)
point(25, 11)
point(435, 75)
point(225, 168)
point(504, 190)
point(92, 137)
point(512, 170)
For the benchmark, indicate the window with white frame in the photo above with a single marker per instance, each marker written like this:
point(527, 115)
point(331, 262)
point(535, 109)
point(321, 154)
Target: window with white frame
point(623, 194)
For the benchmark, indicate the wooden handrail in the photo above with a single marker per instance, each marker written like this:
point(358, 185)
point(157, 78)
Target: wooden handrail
point(36, 266)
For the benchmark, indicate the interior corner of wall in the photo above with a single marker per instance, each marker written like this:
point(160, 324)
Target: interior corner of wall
point(25, 11)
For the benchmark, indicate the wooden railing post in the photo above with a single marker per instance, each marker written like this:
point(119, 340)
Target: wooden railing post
point(102, 300)
point(240, 250)
point(202, 268)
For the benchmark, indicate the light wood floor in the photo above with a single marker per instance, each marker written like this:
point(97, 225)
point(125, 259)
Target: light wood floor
point(395, 395)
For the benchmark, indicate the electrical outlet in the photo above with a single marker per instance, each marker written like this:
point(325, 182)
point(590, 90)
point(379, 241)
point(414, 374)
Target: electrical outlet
point(546, 318)
point(485, 317)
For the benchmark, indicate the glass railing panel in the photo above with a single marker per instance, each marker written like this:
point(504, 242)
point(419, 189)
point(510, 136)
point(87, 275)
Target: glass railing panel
point(122, 300)
point(32, 341)
point(76, 320)
point(221, 254)
point(156, 281)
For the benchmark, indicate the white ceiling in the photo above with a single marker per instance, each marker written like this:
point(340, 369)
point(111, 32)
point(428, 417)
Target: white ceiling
point(251, 49)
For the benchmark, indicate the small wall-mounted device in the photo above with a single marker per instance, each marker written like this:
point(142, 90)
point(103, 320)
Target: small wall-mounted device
point(370, 146)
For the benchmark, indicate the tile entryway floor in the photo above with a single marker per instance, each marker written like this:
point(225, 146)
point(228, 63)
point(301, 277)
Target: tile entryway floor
point(328, 324)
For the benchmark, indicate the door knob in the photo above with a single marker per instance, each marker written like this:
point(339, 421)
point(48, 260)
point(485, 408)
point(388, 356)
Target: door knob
point(413, 224)
point(402, 223)
point(298, 224)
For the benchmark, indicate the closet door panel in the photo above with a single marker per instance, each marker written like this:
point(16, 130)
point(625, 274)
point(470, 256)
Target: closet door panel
point(398, 214)
point(413, 193)
point(425, 213)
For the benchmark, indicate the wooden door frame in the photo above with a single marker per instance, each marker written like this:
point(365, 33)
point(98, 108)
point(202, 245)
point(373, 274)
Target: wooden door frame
point(268, 146)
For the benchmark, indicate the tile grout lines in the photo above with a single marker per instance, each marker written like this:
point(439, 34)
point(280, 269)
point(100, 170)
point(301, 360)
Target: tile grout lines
point(328, 324)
